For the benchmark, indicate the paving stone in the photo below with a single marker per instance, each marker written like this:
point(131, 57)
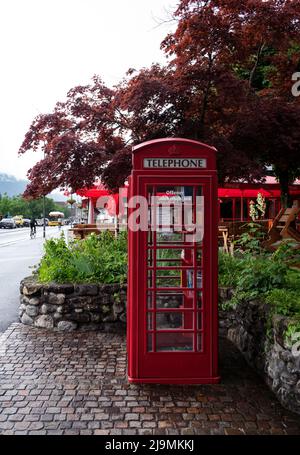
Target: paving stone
point(6, 426)
point(10, 411)
point(145, 432)
point(21, 426)
point(126, 432)
point(234, 431)
point(80, 425)
point(101, 432)
point(131, 416)
point(149, 424)
point(135, 424)
point(34, 426)
point(46, 418)
point(76, 384)
point(15, 418)
point(101, 416)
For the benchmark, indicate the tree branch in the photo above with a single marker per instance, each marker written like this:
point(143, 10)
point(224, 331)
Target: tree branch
point(257, 58)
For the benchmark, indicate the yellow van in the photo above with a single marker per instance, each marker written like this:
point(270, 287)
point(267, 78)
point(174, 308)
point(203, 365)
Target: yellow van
point(19, 220)
point(56, 218)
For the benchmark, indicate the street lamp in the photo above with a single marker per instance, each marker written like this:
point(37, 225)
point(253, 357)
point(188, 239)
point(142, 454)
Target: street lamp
point(44, 211)
point(44, 217)
point(71, 202)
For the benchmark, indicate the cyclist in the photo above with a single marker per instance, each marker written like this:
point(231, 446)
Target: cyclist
point(33, 225)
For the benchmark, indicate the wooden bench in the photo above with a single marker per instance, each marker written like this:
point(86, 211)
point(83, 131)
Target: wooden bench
point(81, 231)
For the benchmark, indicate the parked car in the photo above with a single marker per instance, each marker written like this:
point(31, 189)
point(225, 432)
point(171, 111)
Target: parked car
point(26, 222)
point(8, 223)
point(40, 221)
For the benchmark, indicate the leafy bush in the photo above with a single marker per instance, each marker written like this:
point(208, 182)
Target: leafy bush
point(250, 241)
point(230, 268)
point(287, 252)
point(293, 280)
point(284, 301)
point(258, 277)
point(267, 277)
point(262, 275)
point(99, 259)
point(292, 333)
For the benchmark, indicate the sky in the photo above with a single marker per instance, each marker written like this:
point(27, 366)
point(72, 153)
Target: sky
point(50, 46)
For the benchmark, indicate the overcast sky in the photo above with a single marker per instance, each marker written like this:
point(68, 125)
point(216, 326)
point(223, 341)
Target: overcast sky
point(49, 46)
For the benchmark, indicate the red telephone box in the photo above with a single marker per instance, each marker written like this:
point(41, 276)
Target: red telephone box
point(172, 320)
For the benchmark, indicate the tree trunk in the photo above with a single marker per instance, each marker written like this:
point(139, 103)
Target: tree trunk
point(203, 110)
point(257, 58)
point(286, 200)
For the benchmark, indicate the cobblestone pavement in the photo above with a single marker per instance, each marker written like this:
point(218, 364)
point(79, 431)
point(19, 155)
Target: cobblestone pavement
point(75, 383)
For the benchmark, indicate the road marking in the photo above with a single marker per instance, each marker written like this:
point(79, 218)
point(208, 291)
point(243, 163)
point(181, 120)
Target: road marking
point(51, 235)
point(16, 241)
point(19, 258)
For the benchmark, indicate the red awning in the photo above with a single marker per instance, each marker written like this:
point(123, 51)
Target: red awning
point(254, 193)
point(249, 193)
point(229, 192)
point(111, 200)
point(92, 192)
point(295, 191)
point(101, 191)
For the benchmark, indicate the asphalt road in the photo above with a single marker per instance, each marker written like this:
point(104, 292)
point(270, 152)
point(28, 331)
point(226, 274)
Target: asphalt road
point(18, 255)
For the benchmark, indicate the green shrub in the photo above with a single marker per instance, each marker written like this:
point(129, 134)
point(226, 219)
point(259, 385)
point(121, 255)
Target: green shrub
point(258, 276)
point(99, 259)
point(292, 333)
point(267, 278)
point(250, 241)
point(284, 301)
point(229, 269)
point(293, 280)
point(262, 275)
point(287, 252)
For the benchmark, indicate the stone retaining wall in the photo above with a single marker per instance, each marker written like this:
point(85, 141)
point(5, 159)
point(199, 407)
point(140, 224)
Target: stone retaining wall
point(272, 358)
point(69, 307)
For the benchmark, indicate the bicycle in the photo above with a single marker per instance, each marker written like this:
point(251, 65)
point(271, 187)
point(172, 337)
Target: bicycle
point(32, 233)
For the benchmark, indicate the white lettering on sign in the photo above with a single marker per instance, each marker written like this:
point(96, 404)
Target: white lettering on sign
point(175, 163)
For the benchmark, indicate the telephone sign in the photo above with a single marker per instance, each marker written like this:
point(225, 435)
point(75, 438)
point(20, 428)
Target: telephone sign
point(176, 163)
